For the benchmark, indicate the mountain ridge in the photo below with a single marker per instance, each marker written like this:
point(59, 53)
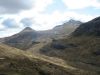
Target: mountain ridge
point(81, 52)
point(28, 37)
point(80, 49)
point(28, 29)
point(91, 28)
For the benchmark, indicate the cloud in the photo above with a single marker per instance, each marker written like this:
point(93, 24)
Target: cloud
point(10, 23)
point(1, 18)
point(2, 27)
point(9, 32)
point(41, 5)
point(79, 4)
point(26, 22)
point(48, 21)
point(15, 6)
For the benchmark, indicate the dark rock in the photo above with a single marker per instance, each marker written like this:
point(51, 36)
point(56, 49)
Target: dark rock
point(58, 46)
point(96, 52)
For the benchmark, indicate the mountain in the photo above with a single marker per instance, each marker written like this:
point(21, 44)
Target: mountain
point(1, 40)
point(91, 28)
point(81, 49)
point(23, 39)
point(71, 55)
point(27, 29)
point(67, 27)
point(60, 31)
point(28, 37)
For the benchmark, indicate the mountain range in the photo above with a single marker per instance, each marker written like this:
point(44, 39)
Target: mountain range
point(53, 52)
point(27, 37)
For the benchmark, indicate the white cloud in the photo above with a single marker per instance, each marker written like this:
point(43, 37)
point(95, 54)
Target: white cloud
point(9, 32)
point(77, 16)
point(1, 27)
point(79, 4)
point(42, 21)
point(48, 21)
point(40, 5)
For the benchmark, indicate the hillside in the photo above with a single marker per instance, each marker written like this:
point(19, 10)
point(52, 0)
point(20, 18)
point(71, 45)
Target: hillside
point(91, 28)
point(23, 39)
point(1, 40)
point(80, 49)
point(16, 62)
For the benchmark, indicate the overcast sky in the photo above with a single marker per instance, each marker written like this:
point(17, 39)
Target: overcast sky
point(43, 14)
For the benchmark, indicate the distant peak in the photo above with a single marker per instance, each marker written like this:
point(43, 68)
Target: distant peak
point(72, 20)
point(27, 29)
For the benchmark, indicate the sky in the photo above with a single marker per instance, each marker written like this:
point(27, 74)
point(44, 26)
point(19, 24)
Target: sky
point(15, 15)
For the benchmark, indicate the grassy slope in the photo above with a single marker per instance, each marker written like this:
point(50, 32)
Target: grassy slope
point(16, 62)
point(57, 61)
point(82, 55)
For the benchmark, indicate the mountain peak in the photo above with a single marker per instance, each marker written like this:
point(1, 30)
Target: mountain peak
point(72, 21)
point(23, 39)
point(27, 29)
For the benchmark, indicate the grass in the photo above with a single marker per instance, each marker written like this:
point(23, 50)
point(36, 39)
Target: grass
point(17, 62)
